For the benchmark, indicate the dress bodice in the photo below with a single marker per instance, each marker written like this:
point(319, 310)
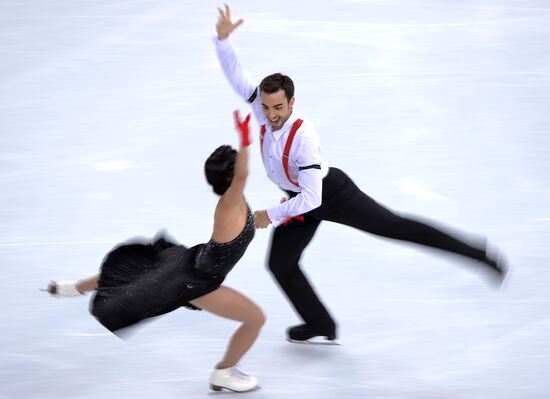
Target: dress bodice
point(215, 260)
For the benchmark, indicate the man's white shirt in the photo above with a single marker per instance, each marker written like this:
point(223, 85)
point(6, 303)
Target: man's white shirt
point(305, 150)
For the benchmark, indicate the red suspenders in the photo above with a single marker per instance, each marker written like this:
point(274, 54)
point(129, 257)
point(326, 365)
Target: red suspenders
point(295, 126)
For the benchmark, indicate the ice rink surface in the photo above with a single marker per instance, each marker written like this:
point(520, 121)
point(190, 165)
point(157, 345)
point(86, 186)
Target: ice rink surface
point(435, 108)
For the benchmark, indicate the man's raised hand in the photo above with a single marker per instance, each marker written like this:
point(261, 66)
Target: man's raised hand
point(224, 27)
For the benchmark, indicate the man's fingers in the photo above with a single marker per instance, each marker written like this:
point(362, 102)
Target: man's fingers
point(222, 15)
point(227, 11)
point(239, 22)
point(247, 119)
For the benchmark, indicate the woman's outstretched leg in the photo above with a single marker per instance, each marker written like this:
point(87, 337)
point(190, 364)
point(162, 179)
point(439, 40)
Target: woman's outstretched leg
point(73, 287)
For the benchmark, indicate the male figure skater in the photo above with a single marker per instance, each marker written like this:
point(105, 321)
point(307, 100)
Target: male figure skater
point(292, 159)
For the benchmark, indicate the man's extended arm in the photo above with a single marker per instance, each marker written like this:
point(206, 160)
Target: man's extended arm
point(235, 74)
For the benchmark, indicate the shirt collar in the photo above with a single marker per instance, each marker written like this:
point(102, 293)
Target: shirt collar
point(286, 126)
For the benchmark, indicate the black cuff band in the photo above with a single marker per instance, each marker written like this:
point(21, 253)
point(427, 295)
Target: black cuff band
point(315, 166)
point(253, 96)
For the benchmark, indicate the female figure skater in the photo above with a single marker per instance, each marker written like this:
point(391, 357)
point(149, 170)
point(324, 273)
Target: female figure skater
point(142, 280)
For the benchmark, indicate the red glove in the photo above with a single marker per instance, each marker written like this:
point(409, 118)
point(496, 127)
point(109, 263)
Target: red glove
point(242, 128)
point(289, 220)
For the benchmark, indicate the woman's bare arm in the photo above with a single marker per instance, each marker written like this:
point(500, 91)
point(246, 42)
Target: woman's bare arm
point(234, 194)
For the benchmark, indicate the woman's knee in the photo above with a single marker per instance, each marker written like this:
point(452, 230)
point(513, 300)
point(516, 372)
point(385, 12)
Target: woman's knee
point(255, 318)
point(261, 318)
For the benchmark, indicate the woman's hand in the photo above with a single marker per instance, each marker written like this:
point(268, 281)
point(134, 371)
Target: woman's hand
point(242, 128)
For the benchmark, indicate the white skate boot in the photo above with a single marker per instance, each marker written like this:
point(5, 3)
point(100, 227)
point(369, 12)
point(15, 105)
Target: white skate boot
point(64, 288)
point(232, 379)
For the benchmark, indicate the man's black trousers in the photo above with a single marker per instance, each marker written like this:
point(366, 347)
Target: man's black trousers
point(343, 202)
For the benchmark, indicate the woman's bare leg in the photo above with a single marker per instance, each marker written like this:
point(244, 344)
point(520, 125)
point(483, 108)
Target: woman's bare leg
point(231, 304)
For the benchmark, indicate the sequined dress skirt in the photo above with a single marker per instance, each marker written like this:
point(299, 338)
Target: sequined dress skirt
point(139, 280)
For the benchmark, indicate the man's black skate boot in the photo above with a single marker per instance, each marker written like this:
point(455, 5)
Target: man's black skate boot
point(303, 332)
point(498, 266)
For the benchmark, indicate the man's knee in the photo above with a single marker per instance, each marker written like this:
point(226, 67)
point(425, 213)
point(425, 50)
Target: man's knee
point(279, 266)
point(275, 262)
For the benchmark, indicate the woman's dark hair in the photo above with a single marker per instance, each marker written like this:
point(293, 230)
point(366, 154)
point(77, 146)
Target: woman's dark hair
point(218, 168)
point(273, 83)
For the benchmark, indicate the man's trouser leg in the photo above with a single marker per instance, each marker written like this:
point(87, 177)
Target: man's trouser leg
point(287, 244)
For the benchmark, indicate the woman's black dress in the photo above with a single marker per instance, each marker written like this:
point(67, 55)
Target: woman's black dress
point(139, 280)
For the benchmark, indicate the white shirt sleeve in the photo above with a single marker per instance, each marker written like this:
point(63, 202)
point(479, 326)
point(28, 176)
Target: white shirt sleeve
point(307, 155)
point(235, 74)
point(238, 77)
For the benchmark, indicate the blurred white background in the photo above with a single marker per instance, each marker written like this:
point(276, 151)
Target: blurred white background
point(436, 108)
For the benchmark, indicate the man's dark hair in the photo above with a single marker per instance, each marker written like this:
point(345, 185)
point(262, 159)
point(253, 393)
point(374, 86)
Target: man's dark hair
point(273, 83)
point(219, 168)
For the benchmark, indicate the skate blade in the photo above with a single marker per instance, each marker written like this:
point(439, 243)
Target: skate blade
point(315, 342)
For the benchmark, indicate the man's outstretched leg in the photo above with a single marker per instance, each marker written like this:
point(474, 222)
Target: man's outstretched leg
point(360, 211)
